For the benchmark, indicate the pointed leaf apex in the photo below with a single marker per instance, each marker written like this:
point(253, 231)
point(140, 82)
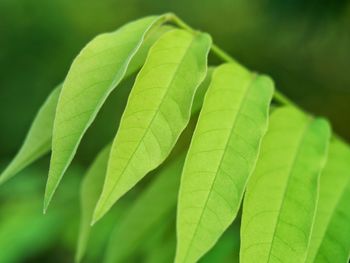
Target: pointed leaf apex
point(47, 200)
point(96, 217)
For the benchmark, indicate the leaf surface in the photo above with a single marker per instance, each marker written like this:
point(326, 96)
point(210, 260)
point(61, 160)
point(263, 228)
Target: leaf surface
point(38, 140)
point(330, 240)
point(94, 74)
point(222, 155)
point(93, 180)
point(145, 215)
point(157, 111)
point(281, 197)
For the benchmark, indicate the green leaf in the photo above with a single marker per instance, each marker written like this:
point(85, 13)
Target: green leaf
point(38, 139)
point(157, 111)
point(93, 180)
point(94, 74)
point(145, 215)
point(222, 155)
point(153, 34)
point(90, 190)
point(330, 240)
point(281, 197)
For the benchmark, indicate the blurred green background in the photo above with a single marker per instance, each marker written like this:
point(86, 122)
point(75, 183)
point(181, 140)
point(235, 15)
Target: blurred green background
point(303, 45)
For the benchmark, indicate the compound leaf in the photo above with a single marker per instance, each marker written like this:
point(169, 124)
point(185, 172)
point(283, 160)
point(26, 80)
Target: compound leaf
point(94, 74)
point(38, 139)
point(157, 111)
point(330, 240)
point(281, 197)
point(222, 155)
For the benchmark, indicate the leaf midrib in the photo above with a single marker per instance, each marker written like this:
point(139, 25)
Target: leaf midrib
point(111, 87)
point(250, 84)
point(291, 169)
point(148, 128)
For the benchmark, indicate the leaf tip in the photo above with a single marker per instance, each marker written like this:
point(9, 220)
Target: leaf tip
point(99, 212)
point(6, 175)
point(96, 217)
point(51, 187)
point(47, 200)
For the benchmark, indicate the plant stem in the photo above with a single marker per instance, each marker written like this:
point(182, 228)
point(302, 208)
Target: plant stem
point(220, 53)
point(278, 96)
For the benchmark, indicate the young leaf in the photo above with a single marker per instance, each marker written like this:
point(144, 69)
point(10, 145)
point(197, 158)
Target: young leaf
point(330, 240)
point(157, 111)
point(94, 74)
point(146, 213)
point(222, 155)
point(281, 197)
point(38, 139)
point(90, 190)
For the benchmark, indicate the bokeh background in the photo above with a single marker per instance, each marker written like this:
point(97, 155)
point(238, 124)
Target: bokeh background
point(303, 45)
